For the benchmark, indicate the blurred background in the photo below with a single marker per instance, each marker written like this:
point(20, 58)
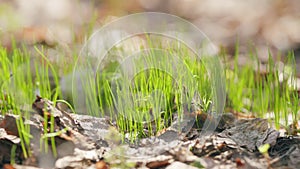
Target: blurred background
point(267, 25)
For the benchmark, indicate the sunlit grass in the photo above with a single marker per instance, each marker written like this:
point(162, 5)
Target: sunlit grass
point(22, 79)
point(146, 103)
point(267, 92)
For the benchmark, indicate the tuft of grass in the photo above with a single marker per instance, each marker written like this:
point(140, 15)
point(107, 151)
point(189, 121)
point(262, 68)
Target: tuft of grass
point(270, 90)
point(151, 97)
point(23, 78)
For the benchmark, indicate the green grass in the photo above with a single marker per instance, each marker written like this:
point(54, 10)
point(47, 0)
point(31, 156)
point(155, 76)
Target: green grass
point(152, 96)
point(149, 98)
point(267, 93)
point(22, 79)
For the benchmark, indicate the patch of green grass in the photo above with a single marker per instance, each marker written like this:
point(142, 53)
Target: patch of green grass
point(150, 98)
point(261, 92)
point(22, 78)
